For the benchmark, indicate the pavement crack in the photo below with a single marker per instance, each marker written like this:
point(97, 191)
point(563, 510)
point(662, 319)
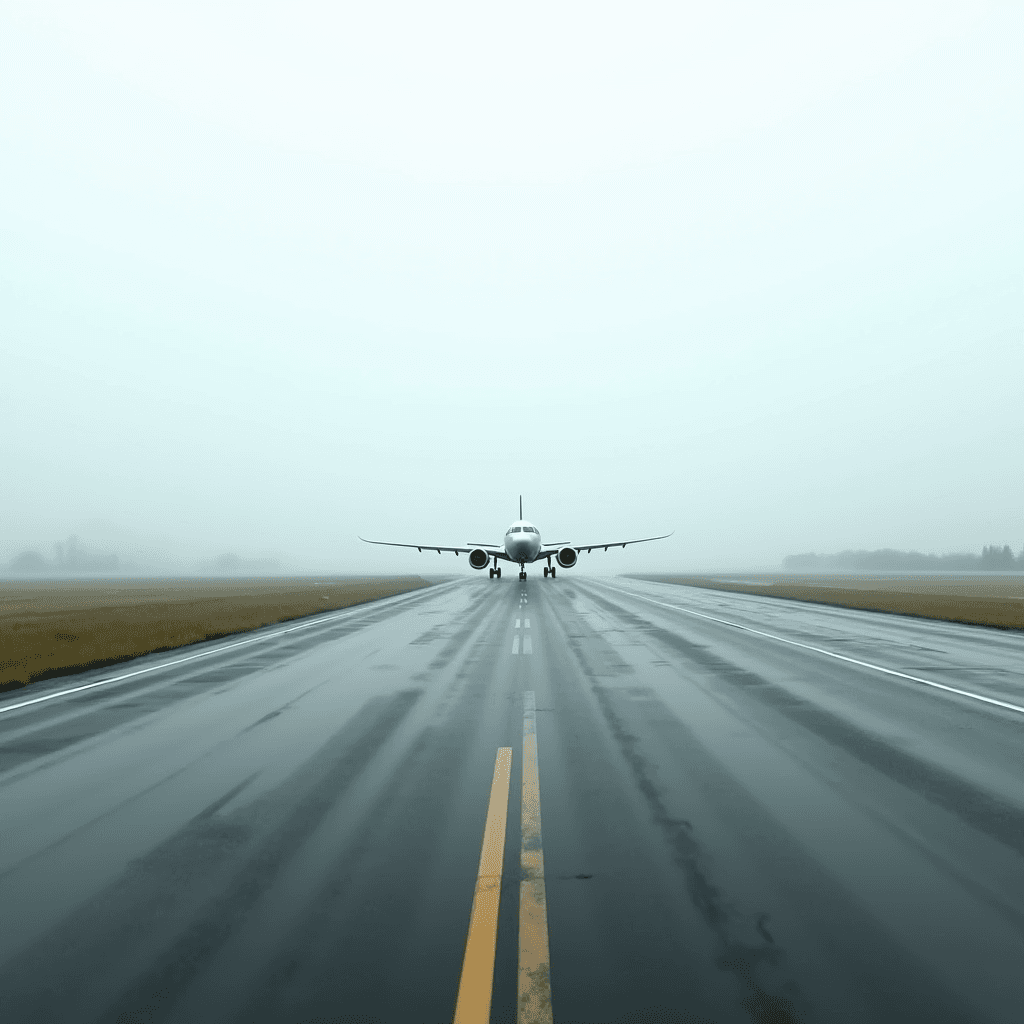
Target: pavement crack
point(737, 957)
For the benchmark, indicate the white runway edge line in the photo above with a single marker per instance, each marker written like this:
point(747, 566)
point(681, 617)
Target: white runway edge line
point(320, 620)
point(819, 650)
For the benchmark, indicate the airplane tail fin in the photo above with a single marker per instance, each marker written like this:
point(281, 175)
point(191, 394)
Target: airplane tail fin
point(520, 506)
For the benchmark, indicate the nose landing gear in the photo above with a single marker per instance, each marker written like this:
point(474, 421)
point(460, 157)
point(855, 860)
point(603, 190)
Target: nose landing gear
point(522, 570)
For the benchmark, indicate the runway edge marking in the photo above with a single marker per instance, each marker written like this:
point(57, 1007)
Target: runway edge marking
point(820, 650)
point(534, 1004)
point(319, 621)
point(473, 1005)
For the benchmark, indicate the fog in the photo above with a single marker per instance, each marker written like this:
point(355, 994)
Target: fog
point(276, 275)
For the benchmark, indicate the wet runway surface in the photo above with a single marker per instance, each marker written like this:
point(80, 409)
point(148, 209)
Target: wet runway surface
point(735, 827)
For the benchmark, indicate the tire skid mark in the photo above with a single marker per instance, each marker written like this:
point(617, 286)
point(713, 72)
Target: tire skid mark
point(422, 778)
point(974, 806)
point(477, 655)
point(920, 994)
point(287, 706)
point(458, 640)
point(35, 737)
point(109, 709)
point(193, 887)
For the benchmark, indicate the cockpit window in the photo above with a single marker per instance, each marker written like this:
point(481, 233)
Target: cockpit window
point(517, 529)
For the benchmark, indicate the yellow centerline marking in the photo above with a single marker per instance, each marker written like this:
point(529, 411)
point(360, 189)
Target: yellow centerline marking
point(534, 958)
point(473, 1005)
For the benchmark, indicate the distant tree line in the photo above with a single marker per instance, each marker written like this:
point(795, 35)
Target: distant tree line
point(992, 559)
point(69, 557)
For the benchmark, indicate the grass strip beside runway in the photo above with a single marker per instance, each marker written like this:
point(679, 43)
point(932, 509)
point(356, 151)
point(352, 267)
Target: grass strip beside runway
point(979, 600)
point(56, 627)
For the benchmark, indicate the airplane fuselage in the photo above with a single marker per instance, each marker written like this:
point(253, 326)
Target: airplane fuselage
point(522, 541)
point(522, 544)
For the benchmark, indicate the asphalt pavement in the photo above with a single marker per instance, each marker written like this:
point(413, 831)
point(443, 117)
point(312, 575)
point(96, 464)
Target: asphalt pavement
point(734, 808)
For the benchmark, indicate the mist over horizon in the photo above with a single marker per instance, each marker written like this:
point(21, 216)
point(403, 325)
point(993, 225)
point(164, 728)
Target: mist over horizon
point(269, 283)
point(74, 557)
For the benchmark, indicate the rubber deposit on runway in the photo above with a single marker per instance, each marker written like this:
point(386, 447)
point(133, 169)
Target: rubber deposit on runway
point(980, 600)
point(55, 627)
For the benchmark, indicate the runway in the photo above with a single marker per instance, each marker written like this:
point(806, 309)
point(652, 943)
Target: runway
point(737, 809)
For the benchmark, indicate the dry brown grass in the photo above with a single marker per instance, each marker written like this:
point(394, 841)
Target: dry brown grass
point(977, 599)
point(50, 628)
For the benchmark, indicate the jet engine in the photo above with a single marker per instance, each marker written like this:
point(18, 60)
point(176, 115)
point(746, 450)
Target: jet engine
point(478, 558)
point(566, 557)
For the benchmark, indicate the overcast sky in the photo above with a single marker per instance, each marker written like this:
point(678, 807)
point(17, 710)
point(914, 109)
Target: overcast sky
point(276, 274)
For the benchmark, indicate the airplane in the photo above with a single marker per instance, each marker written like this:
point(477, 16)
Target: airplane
point(522, 544)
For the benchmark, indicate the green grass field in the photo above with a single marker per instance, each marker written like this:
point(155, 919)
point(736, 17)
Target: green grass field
point(50, 628)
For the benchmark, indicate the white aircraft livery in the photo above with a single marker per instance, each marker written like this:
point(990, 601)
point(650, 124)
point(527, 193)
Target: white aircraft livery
point(522, 544)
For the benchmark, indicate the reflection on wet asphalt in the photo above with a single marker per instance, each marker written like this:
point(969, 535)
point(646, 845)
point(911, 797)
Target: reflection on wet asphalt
point(734, 829)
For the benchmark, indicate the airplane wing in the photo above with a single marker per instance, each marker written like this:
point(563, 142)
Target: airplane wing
point(580, 548)
point(491, 549)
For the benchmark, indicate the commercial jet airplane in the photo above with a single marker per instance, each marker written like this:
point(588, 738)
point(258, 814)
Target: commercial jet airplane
point(522, 545)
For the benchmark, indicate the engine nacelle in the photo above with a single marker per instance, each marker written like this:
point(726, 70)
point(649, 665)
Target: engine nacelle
point(566, 557)
point(478, 558)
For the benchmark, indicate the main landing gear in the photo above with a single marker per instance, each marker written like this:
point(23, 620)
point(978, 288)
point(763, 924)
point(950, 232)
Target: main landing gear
point(495, 571)
point(549, 571)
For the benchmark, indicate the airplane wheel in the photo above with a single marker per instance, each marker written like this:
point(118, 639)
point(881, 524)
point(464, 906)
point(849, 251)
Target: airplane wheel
point(497, 572)
point(522, 575)
point(552, 572)
point(546, 570)
point(492, 574)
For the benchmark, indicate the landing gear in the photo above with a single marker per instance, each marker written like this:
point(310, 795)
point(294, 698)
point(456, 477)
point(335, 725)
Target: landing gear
point(522, 570)
point(522, 575)
point(549, 568)
point(495, 572)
